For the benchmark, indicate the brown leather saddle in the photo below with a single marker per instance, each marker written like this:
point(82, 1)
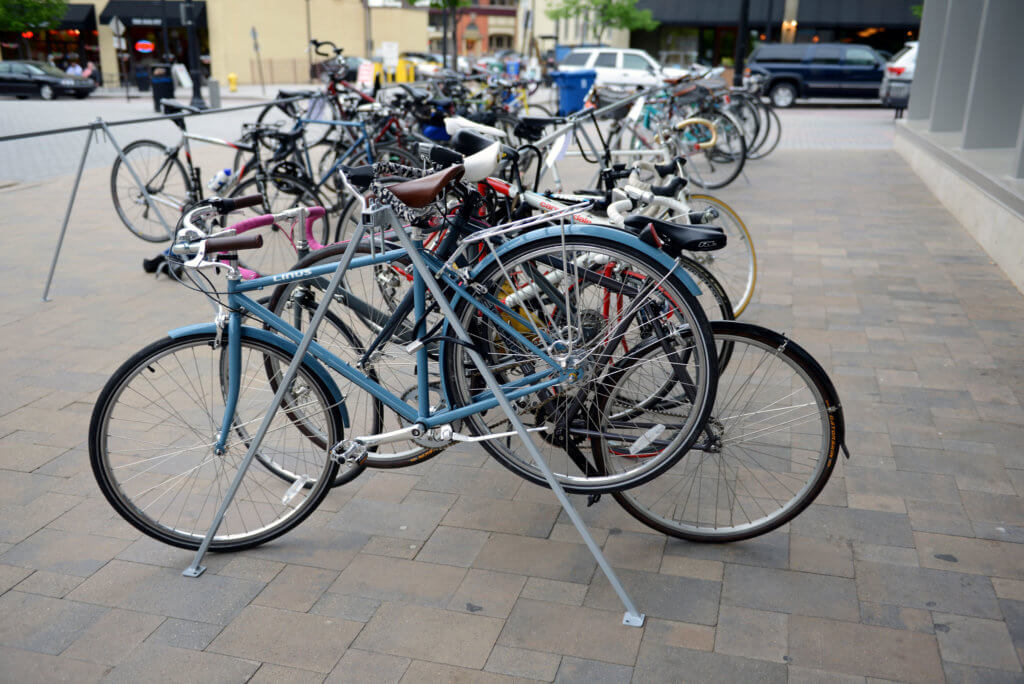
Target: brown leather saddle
point(420, 192)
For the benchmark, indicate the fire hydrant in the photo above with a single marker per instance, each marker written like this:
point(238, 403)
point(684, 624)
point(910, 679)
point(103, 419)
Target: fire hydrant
point(233, 82)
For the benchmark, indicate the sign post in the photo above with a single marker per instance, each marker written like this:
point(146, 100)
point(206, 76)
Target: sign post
point(259, 62)
point(117, 27)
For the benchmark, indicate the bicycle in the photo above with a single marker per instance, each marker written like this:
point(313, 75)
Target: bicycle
point(542, 346)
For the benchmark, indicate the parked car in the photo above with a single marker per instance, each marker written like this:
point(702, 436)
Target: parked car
point(793, 71)
point(618, 66)
point(27, 78)
point(899, 73)
point(426, 62)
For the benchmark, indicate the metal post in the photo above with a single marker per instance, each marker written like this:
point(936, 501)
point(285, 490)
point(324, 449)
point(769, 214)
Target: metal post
point(67, 214)
point(632, 617)
point(168, 57)
point(197, 568)
point(193, 55)
point(742, 35)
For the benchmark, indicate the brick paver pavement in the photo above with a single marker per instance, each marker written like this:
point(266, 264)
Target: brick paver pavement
point(910, 567)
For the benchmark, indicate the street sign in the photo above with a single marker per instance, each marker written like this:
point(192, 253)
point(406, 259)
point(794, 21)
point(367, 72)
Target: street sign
point(255, 42)
point(117, 26)
point(120, 43)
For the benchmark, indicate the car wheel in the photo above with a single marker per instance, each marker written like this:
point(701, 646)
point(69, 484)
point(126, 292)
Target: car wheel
point(783, 95)
point(46, 92)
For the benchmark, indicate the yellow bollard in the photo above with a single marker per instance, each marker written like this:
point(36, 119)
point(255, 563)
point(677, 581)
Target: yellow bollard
point(233, 82)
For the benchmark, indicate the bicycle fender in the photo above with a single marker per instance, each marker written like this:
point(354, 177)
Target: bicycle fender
point(286, 346)
point(613, 234)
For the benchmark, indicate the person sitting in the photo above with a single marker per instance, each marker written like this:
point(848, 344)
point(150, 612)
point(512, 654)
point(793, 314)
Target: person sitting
point(75, 69)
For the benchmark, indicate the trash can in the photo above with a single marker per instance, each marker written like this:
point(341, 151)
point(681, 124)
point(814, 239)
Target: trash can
point(572, 89)
point(142, 79)
point(162, 82)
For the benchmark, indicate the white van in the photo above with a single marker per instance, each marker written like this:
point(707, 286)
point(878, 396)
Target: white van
point(618, 66)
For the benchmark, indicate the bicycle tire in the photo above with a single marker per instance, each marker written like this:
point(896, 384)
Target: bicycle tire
point(737, 275)
point(730, 133)
point(501, 278)
point(660, 503)
point(772, 136)
point(150, 410)
point(122, 183)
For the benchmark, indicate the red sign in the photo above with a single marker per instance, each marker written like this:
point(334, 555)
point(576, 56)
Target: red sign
point(27, 34)
point(144, 46)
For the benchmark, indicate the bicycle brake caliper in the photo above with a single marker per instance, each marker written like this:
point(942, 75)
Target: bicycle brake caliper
point(221, 322)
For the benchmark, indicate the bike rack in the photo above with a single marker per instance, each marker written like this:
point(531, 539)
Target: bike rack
point(380, 220)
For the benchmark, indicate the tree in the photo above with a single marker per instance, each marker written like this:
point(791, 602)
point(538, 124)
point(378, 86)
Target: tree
point(606, 14)
point(22, 15)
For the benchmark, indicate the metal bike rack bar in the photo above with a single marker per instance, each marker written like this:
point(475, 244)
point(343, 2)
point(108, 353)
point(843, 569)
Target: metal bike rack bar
point(632, 617)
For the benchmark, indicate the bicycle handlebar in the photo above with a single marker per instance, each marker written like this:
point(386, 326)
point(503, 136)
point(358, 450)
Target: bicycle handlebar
point(234, 243)
point(224, 205)
point(317, 44)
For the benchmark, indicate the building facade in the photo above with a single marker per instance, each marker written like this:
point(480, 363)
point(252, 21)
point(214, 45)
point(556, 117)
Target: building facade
point(483, 27)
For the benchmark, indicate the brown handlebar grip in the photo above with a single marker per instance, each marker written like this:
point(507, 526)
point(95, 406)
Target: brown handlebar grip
point(233, 203)
point(234, 243)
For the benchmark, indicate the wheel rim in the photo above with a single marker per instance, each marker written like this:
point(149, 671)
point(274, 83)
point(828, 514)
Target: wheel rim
point(783, 97)
point(46, 92)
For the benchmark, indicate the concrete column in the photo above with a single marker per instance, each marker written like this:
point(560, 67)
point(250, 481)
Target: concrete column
point(956, 62)
point(1018, 162)
point(789, 12)
point(996, 95)
point(933, 29)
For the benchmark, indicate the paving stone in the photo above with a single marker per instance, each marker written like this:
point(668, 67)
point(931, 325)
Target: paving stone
point(296, 588)
point(95, 516)
point(896, 617)
point(423, 632)
point(984, 557)
point(162, 591)
point(570, 630)
point(384, 486)
point(973, 641)
point(662, 596)
point(1006, 510)
point(823, 556)
point(1008, 588)
point(684, 634)
point(751, 633)
point(894, 555)
point(112, 637)
point(661, 663)
point(311, 642)
point(870, 651)
point(806, 675)
point(939, 516)
point(900, 484)
point(870, 502)
point(392, 547)
point(497, 515)
point(402, 520)
point(44, 624)
point(770, 550)
point(276, 674)
point(151, 552)
point(256, 569)
point(358, 666)
point(52, 584)
point(926, 589)
point(453, 546)
point(423, 672)
point(392, 579)
point(872, 527)
point(967, 674)
point(635, 551)
point(185, 634)
point(20, 489)
point(536, 558)
point(11, 575)
point(64, 552)
point(158, 663)
point(785, 591)
point(541, 589)
point(18, 665)
point(692, 567)
point(321, 548)
point(1013, 614)
point(345, 607)
point(484, 592)
point(580, 671)
point(518, 662)
point(484, 483)
point(568, 533)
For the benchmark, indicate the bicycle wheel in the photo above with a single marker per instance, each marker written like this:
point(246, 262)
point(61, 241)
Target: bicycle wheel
point(279, 192)
point(767, 450)
point(772, 135)
point(286, 115)
point(584, 301)
point(360, 310)
point(155, 424)
point(166, 182)
point(735, 266)
point(718, 166)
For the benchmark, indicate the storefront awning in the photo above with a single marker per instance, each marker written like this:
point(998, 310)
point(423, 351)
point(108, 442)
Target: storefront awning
point(78, 16)
point(703, 13)
point(858, 13)
point(150, 12)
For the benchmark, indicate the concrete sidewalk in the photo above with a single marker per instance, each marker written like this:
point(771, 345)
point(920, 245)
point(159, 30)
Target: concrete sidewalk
point(910, 567)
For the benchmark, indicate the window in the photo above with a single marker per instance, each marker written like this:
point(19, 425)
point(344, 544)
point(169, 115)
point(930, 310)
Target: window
point(435, 20)
point(635, 62)
point(860, 56)
point(826, 54)
point(605, 59)
point(576, 59)
point(780, 53)
point(499, 42)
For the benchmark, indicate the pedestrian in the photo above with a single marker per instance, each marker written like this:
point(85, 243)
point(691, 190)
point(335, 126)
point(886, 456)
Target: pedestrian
point(89, 71)
point(75, 69)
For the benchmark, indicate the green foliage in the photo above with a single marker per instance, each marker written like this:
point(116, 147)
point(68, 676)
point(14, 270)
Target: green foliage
point(917, 10)
point(21, 15)
point(606, 14)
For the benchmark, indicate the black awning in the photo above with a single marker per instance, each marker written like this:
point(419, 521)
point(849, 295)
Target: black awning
point(719, 13)
point(151, 12)
point(861, 13)
point(78, 16)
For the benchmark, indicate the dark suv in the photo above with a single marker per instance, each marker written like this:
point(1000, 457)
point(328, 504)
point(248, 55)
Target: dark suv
point(817, 70)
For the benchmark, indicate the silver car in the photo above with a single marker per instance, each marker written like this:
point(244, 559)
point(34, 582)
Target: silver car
point(899, 73)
